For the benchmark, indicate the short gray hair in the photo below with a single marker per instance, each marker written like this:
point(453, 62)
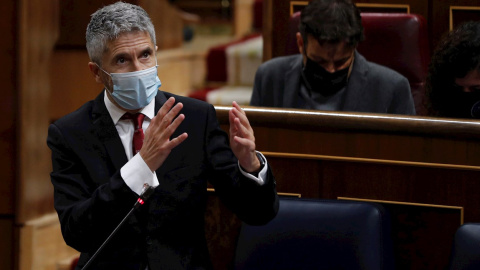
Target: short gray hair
point(110, 21)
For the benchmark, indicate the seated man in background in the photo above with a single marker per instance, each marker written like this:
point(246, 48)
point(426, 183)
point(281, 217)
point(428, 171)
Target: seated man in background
point(329, 74)
point(453, 82)
point(101, 158)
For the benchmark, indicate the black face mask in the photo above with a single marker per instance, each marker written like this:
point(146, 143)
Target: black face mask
point(464, 105)
point(319, 80)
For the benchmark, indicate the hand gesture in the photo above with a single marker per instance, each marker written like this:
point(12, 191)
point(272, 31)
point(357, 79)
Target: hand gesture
point(157, 144)
point(242, 140)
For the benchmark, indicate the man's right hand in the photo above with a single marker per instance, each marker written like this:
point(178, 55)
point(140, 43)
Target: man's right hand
point(157, 144)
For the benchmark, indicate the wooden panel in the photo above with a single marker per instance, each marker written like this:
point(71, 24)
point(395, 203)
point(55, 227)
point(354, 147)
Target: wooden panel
point(374, 136)
point(461, 14)
point(211, 11)
point(7, 243)
point(439, 20)
point(243, 18)
point(364, 7)
point(75, 16)
point(8, 108)
point(221, 229)
point(38, 22)
point(42, 245)
point(68, 96)
point(424, 170)
point(275, 27)
point(383, 8)
point(167, 22)
point(296, 6)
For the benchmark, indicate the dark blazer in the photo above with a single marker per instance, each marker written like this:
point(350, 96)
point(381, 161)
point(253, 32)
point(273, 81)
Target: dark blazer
point(91, 197)
point(371, 87)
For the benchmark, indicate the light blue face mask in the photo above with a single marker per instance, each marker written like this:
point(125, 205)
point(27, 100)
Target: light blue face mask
point(135, 90)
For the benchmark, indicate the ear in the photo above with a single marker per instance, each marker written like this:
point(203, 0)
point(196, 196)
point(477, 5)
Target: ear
point(300, 43)
point(95, 70)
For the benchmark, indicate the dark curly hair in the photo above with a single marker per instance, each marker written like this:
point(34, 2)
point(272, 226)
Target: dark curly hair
point(331, 20)
point(457, 54)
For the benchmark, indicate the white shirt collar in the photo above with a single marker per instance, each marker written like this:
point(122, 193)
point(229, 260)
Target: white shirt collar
point(116, 113)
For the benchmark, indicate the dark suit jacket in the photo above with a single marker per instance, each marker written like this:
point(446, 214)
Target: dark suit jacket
point(371, 87)
point(91, 197)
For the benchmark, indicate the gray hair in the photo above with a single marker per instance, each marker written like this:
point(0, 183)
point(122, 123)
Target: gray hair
point(110, 21)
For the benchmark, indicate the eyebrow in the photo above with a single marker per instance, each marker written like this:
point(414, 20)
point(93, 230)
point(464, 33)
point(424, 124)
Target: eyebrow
point(147, 49)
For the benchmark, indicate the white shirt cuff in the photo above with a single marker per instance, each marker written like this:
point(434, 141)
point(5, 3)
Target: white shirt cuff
point(261, 175)
point(136, 172)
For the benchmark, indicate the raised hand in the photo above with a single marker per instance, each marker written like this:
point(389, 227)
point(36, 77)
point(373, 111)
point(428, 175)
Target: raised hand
point(242, 140)
point(157, 144)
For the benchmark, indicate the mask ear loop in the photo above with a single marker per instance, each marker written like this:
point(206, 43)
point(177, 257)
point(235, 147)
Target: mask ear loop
point(109, 91)
point(103, 70)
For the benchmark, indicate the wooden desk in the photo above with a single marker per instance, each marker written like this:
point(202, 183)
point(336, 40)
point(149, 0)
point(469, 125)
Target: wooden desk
point(425, 171)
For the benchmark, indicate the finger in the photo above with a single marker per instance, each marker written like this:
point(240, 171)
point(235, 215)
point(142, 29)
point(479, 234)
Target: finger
point(173, 127)
point(248, 144)
point(163, 111)
point(168, 118)
point(178, 140)
point(236, 106)
point(167, 106)
point(242, 116)
point(231, 119)
point(241, 130)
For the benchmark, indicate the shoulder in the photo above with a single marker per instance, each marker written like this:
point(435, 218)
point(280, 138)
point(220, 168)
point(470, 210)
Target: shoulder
point(74, 127)
point(385, 72)
point(77, 118)
point(282, 63)
point(377, 71)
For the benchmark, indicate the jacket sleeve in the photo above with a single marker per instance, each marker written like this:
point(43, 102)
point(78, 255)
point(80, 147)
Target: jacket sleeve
point(402, 102)
point(256, 99)
point(88, 211)
point(253, 203)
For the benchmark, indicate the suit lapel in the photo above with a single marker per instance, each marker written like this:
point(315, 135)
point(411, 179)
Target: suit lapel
point(292, 83)
point(107, 133)
point(357, 84)
point(160, 99)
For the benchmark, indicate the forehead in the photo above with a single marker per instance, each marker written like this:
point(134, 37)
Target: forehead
point(328, 49)
point(129, 42)
point(471, 79)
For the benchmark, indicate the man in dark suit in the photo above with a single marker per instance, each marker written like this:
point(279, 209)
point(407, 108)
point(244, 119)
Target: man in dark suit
point(99, 170)
point(329, 74)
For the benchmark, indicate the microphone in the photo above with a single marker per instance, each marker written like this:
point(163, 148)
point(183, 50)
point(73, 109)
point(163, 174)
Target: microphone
point(475, 111)
point(146, 192)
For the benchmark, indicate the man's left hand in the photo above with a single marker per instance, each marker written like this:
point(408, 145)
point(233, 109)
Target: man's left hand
point(242, 140)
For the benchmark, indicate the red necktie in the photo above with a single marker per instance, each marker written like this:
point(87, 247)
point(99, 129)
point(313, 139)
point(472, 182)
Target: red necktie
point(138, 134)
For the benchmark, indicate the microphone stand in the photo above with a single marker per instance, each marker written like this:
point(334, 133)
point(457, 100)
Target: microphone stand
point(146, 192)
